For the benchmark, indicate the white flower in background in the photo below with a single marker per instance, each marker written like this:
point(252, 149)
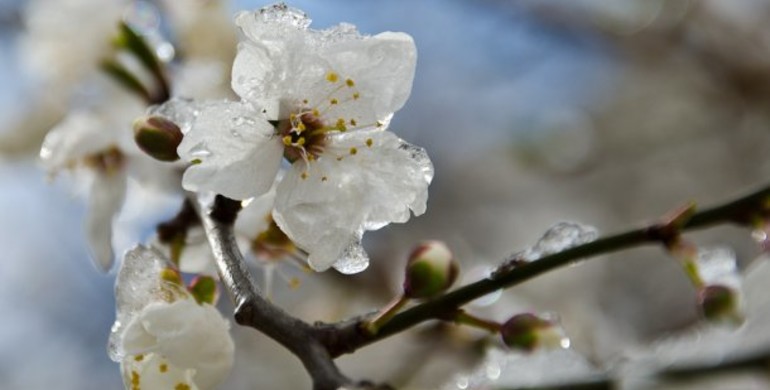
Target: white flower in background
point(331, 94)
point(162, 337)
point(64, 42)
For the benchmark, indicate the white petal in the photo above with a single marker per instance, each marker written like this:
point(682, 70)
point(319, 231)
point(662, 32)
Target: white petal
point(253, 219)
point(343, 194)
point(153, 371)
point(78, 135)
point(236, 152)
point(108, 192)
point(190, 336)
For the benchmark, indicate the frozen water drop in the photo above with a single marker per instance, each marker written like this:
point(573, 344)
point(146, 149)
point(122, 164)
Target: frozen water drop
point(354, 259)
point(165, 51)
point(462, 383)
point(282, 13)
point(493, 371)
point(717, 265)
point(235, 133)
point(561, 236)
point(200, 150)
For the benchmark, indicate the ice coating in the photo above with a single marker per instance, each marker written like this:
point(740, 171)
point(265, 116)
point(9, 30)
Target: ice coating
point(354, 259)
point(563, 235)
point(137, 285)
point(717, 265)
point(181, 111)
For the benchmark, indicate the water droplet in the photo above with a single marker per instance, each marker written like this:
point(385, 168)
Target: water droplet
point(200, 150)
point(142, 16)
point(717, 265)
point(493, 371)
point(561, 236)
point(353, 260)
point(462, 383)
point(165, 51)
point(235, 133)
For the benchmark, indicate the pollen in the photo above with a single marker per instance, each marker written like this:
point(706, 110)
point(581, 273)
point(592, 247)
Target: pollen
point(287, 140)
point(301, 126)
point(139, 357)
point(301, 141)
point(163, 367)
point(135, 379)
point(353, 122)
point(182, 386)
point(333, 101)
point(324, 178)
point(303, 175)
point(369, 142)
point(353, 151)
point(332, 77)
point(316, 112)
point(356, 96)
point(350, 82)
point(341, 124)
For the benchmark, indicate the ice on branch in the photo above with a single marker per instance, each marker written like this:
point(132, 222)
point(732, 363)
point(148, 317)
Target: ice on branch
point(322, 100)
point(559, 237)
point(162, 337)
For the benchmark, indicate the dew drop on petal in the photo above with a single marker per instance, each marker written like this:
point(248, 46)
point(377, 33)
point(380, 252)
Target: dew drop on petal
point(462, 383)
point(165, 51)
point(354, 259)
point(561, 236)
point(200, 150)
point(493, 370)
point(717, 265)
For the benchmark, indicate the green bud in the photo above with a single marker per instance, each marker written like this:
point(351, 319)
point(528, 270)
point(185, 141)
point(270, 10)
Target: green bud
point(719, 303)
point(431, 270)
point(204, 289)
point(529, 331)
point(158, 137)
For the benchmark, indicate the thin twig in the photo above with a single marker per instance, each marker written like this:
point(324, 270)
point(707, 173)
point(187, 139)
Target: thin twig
point(347, 336)
point(253, 310)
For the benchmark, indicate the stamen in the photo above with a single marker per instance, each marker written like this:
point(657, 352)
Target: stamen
point(332, 77)
point(349, 83)
point(369, 142)
point(353, 151)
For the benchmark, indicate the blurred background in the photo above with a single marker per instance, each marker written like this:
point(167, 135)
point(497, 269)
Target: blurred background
point(604, 112)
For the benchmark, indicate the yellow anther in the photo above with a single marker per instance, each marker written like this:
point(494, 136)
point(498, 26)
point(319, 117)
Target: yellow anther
point(287, 140)
point(134, 378)
point(353, 122)
point(356, 96)
point(316, 113)
point(310, 157)
point(350, 82)
point(369, 142)
point(334, 101)
point(332, 77)
point(303, 175)
point(163, 367)
point(353, 151)
point(182, 386)
point(301, 126)
point(292, 117)
point(294, 283)
point(341, 124)
point(139, 357)
point(301, 141)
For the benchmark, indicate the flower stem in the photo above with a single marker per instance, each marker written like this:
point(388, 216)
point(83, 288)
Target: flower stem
point(385, 314)
point(464, 318)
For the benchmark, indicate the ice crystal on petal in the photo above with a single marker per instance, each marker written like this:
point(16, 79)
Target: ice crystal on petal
point(283, 14)
point(718, 266)
point(561, 236)
point(181, 111)
point(353, 260)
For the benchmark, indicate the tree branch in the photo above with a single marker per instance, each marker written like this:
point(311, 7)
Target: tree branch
point(347, 336)
point(253, 310)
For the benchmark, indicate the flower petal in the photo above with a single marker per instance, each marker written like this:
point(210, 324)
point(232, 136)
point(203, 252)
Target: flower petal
point(233, 150)
point(108, 191)
point(153, 371)
point(80, 134)
point(363, 181)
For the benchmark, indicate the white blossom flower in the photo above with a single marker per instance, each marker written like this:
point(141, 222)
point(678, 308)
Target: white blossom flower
point(162, 337)
point(330, 95)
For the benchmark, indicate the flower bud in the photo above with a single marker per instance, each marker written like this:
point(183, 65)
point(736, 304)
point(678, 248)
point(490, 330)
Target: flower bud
point(158, 137)
point(431, 270)
point(719, 303)
point(529, 331)
point(204, 289)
